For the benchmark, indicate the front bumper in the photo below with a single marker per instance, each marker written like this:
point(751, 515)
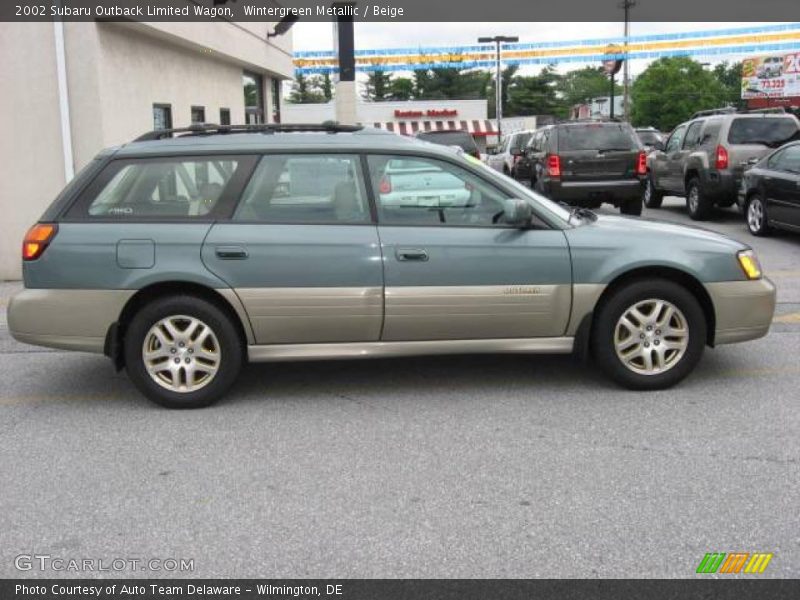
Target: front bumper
point(65, 319)
point(743, 309)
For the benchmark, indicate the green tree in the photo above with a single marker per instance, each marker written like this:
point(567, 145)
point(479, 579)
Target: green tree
point(326, 86)
point(306, 90)
point(378, 86)
point(730, 76)
point(582, 85)
point(531, 95)
point(401, 88)
point(671, 89)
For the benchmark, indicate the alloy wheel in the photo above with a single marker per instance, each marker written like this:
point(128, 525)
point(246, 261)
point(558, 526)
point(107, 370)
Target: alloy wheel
point(651, 337)
point(181, 353)
point(694, 199)
point(755, 215)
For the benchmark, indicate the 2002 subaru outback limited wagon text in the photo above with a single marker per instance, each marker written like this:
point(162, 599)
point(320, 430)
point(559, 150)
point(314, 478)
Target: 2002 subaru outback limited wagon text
point(186, 253)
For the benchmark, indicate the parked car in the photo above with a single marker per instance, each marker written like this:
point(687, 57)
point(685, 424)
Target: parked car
point(770, 192)
point(704, 158)
point(649, 137)
point(182, 258)
point(771, 66)
point(452, 137)
point(587, 163)
point(509, 154)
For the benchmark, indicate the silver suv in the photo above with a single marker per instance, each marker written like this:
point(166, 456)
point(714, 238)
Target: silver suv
point(704, 158)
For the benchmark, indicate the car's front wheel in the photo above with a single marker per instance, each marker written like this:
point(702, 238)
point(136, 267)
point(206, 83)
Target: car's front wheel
point(182, 352)
point(649, 334)
point(756, 211)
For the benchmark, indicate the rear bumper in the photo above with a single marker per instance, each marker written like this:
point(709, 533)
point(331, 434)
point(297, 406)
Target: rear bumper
point(65, 319)
point(743, 309)
point(614, 191)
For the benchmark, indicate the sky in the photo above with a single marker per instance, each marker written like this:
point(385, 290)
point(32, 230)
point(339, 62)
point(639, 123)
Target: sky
point(319, 36)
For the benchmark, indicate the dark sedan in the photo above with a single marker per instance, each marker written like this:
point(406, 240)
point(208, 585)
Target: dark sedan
point(770, 192)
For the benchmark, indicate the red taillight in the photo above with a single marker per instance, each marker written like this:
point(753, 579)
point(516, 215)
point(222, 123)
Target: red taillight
point(641, 164)
point(721, 161)
point(37, 239)
point(554, 165)
point(385, 186)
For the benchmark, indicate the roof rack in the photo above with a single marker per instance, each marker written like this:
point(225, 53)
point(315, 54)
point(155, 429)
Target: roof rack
point(725, 110)
point(730, 110)
point(268, 128)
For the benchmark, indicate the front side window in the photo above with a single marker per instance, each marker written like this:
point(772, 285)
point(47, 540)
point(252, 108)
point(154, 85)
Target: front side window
point(676, 139)
point(163, 188)
point(305, 188)
point(426, 191)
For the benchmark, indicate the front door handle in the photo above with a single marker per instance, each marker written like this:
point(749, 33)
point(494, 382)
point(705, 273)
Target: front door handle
point(406, 254)
point(230, 252)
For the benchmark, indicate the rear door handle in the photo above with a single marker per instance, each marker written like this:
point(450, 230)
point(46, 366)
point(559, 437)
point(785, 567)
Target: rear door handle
point(406, 254)
point(230, 252)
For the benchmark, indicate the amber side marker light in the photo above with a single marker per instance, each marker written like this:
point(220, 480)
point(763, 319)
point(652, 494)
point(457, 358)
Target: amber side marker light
point(749, 264)
point(37, 239)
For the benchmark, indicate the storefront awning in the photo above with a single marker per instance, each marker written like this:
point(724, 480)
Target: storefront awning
point(477, 127)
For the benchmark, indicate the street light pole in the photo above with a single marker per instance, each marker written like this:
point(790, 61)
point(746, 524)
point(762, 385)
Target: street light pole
point(498, 111)
point(626, 6)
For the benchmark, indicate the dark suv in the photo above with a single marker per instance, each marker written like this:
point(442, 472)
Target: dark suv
point(452, 137)
point(704, 158)
point(586, 163)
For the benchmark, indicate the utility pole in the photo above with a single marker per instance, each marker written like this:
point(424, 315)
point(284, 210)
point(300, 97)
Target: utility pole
point(498, 86)
point(626, 6)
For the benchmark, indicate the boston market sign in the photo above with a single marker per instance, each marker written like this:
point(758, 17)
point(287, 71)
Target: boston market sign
point(417, 114)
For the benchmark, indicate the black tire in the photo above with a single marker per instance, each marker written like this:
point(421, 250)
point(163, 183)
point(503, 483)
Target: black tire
point(653, 197)
point(226, 343)
point(699, 206)
point(620, 302)
point(632, 207)
point(755, 215)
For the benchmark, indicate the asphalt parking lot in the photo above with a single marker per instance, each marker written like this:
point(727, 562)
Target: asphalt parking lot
point(484, 466)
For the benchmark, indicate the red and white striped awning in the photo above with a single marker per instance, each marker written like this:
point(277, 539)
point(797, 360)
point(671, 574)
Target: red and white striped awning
point(477, 127)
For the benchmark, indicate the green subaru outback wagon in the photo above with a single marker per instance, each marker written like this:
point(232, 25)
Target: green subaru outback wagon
point(187, 253)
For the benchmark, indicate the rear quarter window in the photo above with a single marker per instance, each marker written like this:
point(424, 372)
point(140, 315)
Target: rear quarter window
point(192, 188)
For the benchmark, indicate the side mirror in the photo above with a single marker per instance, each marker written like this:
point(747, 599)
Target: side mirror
point(517, 212)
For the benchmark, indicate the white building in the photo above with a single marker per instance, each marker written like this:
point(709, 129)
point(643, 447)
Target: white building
point(71, 89)
point(405, 118)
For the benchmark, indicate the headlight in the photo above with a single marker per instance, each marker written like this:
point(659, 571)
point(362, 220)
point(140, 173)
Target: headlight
point(749, 264)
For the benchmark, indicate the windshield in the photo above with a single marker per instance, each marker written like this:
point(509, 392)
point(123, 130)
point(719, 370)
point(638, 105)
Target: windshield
point(595, 136)
point(525, 193)
point(768, 131)
point(648, 137)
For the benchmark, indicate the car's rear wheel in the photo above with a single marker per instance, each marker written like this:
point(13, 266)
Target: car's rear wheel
point(756, 211)
point(699, 206)
point(633, 207)
point(182, 352)
point(649, 334)
point(652, 197)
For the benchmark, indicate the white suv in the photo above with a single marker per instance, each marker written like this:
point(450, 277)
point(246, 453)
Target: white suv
point(509, 152)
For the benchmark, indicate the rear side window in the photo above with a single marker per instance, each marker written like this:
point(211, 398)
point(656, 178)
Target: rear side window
point(769, 131)
point(521, 141)
point(151, 188)
point(595, 136)
point(305, 188)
